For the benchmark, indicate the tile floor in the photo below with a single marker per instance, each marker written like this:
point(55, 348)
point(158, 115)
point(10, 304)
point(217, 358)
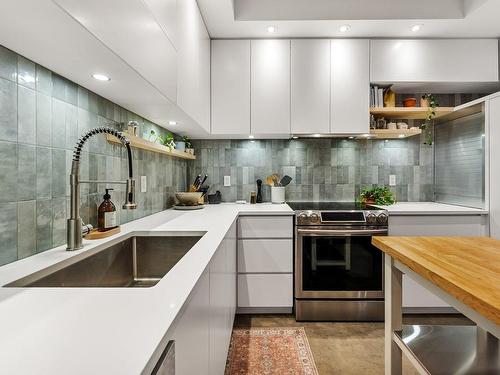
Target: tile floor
point(346, 348)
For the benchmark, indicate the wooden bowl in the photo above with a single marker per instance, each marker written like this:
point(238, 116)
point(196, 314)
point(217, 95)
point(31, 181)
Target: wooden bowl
point(188, 198)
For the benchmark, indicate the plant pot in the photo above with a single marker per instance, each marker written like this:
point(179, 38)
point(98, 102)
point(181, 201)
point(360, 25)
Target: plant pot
point(410, 102)
point(180, 146)
point(190, 151)
point(277, 194)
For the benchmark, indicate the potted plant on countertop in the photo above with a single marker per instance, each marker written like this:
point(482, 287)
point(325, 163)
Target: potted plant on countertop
point(380, 195)
point(431, 102)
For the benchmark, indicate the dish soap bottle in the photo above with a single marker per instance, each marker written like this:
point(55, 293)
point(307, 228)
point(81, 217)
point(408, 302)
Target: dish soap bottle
point(106, 214)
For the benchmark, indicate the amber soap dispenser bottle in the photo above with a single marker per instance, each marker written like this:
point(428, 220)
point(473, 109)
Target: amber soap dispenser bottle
point(106, 214)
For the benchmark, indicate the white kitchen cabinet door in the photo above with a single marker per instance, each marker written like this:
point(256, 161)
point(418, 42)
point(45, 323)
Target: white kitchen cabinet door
point(425, 60)
point(350, 86)
point(192, 335)
point(165, 12)
point(494, 136)
point(219, 310)
point(265, 290)
point(266, 255)
point(230, 87)
point(146, 49)
point(270, 87)
point(310, 86)
point(193, 62)
point(265, 227)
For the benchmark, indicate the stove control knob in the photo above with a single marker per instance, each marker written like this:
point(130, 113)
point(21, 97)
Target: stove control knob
point(314, 218)
point(302, 218)
point(382, 219)
point(371, 219)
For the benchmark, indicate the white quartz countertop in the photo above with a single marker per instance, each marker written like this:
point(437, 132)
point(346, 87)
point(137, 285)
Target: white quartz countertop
point(430, 208)
point(107, 330)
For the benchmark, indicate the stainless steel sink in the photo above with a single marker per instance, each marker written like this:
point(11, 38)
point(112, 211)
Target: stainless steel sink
point(139, 261)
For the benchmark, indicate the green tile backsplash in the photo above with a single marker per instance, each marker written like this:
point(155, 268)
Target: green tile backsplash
point(41, 117)
point(322, 169)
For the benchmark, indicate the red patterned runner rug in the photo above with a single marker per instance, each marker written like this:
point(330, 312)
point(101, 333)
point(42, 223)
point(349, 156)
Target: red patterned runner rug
point(270, 351)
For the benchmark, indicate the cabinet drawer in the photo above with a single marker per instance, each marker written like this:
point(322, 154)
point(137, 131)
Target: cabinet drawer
point(265, 290)
point(265, 255)
point(265, 227)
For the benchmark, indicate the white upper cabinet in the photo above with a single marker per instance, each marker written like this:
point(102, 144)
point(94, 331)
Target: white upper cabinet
point(193, 62)
point(165, 12)
point(133, 34)
point(350, 86)
point(231, 87)
point(310, 86)
point(270, 87)
point(457, 60)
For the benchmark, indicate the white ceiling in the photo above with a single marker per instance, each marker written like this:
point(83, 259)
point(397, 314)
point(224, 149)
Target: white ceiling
point(469, 18)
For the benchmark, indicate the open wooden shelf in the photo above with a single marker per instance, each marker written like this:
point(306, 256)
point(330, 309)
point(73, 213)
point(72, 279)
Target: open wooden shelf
point(392, 134)
point(151, 146)
point(408, 113)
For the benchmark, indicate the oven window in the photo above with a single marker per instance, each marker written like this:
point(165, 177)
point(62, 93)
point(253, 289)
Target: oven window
point(340, 264)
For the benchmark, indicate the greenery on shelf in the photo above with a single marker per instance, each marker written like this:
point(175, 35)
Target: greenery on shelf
point(187, 141)
point(429, 120)
point(168, 140)
point(378, 195)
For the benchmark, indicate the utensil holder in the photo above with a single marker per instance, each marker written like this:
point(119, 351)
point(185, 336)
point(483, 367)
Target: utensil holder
point(278, 194)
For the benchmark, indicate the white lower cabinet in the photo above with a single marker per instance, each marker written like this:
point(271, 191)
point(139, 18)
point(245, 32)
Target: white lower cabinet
point(265, 290)
point(203, 333)
point(192, 334)
point(260, 255)
point(265, 264)
point(416, 298)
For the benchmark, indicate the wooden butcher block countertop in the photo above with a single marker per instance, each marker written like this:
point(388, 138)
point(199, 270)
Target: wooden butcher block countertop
point(468, 268)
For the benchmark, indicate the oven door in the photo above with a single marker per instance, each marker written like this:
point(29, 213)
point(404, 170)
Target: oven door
point(338, 262)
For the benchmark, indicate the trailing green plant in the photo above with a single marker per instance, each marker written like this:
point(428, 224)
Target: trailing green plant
point(426, 126)
point(378, 195)
point(187, 141)
point(168, 140)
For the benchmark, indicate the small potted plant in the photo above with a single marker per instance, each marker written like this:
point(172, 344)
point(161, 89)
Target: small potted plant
point(168, 140)
point(431, 103)
point(189, 146)
point(380, 195)
point(180, 145)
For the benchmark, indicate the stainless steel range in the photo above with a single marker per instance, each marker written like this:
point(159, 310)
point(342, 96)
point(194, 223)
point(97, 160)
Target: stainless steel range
point(338, 272)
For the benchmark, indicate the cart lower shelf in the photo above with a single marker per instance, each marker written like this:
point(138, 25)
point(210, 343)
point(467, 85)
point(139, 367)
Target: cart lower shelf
point(437, 349)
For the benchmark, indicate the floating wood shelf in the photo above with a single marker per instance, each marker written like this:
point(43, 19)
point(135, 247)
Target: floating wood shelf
point(392, 134)
point(408, 113)
point(151, 146)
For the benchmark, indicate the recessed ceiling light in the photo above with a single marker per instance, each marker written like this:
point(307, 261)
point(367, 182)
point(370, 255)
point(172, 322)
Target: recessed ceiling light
point(366, 135)
point(271, 29)
point(401, 136)
point(351, 137)
point(172, 123)
point(101, 77)
point(316, 135)
point(344, 28)
point(251, 136)
point(295, 137)
point(416, 28)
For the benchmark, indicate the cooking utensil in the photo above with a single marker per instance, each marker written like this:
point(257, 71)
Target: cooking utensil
point(269, 181)
point(193, 187)
point(285, 180)
point(276, 179)
point(203, 181)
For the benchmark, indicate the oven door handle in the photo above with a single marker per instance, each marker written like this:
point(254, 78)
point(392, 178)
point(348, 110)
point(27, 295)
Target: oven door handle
point(341, 232)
